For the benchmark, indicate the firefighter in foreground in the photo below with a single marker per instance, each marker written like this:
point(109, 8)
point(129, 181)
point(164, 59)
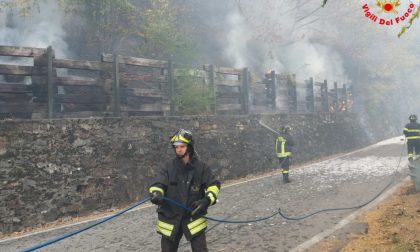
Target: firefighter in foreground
point(284, 144)
point(412, 134)
point(190, 182)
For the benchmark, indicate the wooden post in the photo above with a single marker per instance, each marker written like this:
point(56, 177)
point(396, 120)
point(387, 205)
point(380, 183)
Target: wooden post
point(335, 104)
point(50, 83)
point(245, 91)
point(310, 101)
point(324, 96)
point(292, 95)
point(273, 90)
point(345, 98)
point(171, 83)
point(116, 86)
point(213, 88)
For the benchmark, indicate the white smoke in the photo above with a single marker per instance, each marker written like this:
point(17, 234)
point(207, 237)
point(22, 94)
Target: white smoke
point(42, 27)
point(237, 40)
point(279, 35)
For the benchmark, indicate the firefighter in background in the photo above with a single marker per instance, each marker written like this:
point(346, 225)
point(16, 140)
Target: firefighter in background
point(284, 145)
point(190, 182)
point(412, 134)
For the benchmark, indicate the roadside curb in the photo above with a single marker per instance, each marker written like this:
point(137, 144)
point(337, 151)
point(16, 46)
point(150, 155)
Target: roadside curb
point(321, 236)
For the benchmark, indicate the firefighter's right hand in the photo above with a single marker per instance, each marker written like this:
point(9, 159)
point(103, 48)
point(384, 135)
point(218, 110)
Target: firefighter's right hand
point(156, 198)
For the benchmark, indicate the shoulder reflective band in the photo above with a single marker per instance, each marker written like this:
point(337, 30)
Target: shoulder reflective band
point(197, 225)
point(155, 188)
point(164, 228)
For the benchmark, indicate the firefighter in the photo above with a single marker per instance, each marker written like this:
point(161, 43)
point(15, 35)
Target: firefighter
point(284, 144)
point(412, 134)
point(190, 182)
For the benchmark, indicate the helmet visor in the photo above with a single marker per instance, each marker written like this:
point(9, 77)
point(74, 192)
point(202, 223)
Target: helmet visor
point(179, 143)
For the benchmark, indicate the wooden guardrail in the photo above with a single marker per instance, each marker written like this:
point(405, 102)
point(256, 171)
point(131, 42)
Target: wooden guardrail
point(34, 83)
point(54, 87)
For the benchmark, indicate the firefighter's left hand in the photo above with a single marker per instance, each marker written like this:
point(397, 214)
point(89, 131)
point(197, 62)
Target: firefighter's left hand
point(199, 205)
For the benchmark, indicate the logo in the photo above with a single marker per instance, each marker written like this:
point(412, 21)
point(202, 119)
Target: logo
point(388, 12)
point(195, 188)
point(388, 6)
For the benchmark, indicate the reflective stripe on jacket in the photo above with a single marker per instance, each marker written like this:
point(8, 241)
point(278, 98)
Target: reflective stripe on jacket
point(284, 144)
point(412, 131)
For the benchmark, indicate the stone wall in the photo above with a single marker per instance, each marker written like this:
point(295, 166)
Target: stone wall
point(55, 168)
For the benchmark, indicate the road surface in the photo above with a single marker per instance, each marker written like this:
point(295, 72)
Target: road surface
point(343, 181)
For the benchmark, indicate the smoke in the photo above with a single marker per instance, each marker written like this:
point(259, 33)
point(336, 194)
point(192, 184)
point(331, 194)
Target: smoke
point(279, 35)
point(337, 42)
point(42, 27)
point(237, 40)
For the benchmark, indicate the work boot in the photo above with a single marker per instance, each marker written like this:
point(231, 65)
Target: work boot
point(286, 178)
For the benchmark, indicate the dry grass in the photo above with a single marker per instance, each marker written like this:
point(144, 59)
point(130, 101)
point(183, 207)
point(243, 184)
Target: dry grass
point(393, 226)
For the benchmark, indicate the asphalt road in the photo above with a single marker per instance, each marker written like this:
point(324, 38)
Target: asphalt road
point(345, 181)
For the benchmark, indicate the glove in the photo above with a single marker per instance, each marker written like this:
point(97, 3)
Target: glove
point(200, 205)
point(156, 198)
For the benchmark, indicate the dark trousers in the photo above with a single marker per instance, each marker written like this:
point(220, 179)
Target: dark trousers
point(413, 146)
point(198, 243)
point(284, 164)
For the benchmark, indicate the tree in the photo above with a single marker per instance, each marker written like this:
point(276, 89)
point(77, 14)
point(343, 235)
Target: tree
point(139, 28)
point(108, 24)
point(162, 37)
point(193, 94)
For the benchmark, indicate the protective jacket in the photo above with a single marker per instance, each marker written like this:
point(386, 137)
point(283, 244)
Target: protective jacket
point(184, 184)
point(284, 144)
point(412, 131)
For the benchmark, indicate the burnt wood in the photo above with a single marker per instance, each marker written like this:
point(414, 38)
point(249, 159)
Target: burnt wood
point(21, 51)
point(16, 107)
point(22, 70)
point(136, 61)
point(14, 88)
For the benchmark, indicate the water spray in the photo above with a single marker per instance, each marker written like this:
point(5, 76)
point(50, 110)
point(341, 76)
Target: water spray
point(267, 127)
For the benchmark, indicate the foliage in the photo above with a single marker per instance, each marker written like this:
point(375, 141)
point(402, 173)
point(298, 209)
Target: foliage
point(162, 38)
point(108, 23)
point(24, 6)
point(148, 29)
point(193, 94)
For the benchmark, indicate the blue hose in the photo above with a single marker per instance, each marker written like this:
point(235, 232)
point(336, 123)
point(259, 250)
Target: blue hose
point(85, 228)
